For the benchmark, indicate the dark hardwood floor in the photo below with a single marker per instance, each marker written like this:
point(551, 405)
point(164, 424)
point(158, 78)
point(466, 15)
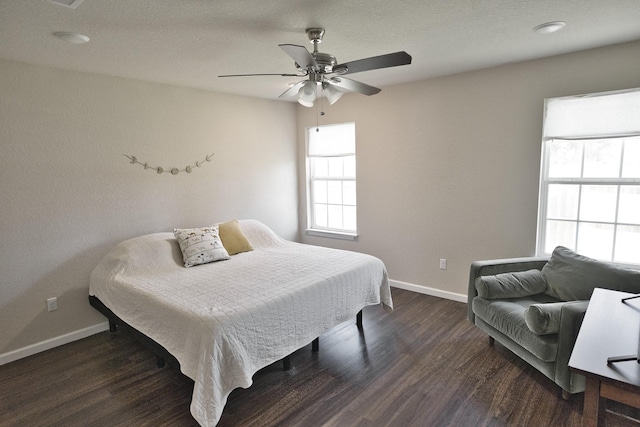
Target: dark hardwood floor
point(423, 364)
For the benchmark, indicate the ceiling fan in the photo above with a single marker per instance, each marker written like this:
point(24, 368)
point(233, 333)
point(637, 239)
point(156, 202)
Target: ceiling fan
point(323, 70)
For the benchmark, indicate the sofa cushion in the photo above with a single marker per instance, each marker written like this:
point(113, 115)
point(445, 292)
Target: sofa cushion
point(507, 316)
point(571, 276)
point(511, 285)
point(544, 319)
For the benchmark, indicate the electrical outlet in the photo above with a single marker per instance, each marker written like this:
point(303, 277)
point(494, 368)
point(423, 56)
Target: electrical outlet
point(443, 264)
point(52, 304)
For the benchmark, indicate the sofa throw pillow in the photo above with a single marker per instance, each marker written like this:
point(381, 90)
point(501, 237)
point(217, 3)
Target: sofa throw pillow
point(233, 238)
point(571, 276)
point(200, 245)
point(544, 319)
point(511, 285)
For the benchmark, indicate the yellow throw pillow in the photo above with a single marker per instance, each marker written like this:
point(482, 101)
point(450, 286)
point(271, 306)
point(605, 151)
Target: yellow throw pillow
point(233, 240)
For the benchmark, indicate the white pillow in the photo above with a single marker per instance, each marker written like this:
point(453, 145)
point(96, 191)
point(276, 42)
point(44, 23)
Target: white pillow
point(200, 245)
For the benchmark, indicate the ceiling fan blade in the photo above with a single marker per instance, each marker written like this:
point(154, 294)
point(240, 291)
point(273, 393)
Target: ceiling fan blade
point(251, 75)
point(354, 86)
point(293, 90)
point(300, 54)
point(375, 62)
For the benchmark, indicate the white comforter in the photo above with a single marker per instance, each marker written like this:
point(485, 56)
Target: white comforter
point(226, 320)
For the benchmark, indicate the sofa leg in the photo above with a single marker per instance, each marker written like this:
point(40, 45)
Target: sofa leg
point(492, 341)
point(566, 395)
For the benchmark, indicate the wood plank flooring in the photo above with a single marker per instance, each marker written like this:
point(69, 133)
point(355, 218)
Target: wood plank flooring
point(423, 364)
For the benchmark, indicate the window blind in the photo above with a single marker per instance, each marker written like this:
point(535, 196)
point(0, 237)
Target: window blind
point(333, 140)
point(606, 114)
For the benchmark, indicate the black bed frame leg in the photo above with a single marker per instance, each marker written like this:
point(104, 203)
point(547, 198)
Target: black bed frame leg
point(160, 363)
point(113, 326)
point(286, 363)
point(359, 320)
point(315, 345)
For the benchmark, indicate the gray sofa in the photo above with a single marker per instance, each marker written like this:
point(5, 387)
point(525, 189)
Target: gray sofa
point(535, 306)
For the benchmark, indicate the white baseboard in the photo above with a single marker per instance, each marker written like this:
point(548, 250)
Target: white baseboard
point(91, 330)
point(51, 343)
point(428, 291)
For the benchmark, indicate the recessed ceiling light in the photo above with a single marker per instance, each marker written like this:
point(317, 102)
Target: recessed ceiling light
point(549, 27)
point(67, 3)
point(73, 38)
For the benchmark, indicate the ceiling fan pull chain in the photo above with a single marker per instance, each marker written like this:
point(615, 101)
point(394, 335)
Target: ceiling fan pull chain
point(317, 117)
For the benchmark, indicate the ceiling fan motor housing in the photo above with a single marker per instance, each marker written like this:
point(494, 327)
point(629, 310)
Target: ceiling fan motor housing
point(325, 62)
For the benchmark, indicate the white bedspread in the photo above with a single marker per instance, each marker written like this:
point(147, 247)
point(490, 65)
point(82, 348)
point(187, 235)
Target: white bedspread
point(226, 320)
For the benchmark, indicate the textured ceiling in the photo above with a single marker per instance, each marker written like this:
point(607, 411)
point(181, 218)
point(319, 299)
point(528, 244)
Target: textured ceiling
point(191, 42)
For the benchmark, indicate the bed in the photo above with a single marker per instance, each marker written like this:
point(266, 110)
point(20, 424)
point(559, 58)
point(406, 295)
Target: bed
point(223, 321)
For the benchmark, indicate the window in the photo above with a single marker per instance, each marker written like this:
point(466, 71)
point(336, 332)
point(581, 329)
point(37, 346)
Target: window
point(590, 176)
point(331, 171)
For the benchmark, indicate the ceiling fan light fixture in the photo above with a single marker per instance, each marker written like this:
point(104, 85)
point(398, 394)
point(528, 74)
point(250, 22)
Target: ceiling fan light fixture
point(331, 93)
point(307, 94)
point(305, 103)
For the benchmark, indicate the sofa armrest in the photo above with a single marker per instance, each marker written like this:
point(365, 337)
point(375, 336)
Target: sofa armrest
point(497, 266)
point(571, 318)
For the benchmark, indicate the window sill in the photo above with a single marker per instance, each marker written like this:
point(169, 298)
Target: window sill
point(332, 234)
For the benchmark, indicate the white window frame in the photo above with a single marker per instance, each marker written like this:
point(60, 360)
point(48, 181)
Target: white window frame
point(599, 124)
point(313, 228)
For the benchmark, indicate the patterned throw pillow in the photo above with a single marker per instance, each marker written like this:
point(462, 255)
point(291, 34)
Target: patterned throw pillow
point(200, 245)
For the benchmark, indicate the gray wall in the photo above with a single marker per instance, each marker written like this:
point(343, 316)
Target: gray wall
point(69, 194)
point(449, 167)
